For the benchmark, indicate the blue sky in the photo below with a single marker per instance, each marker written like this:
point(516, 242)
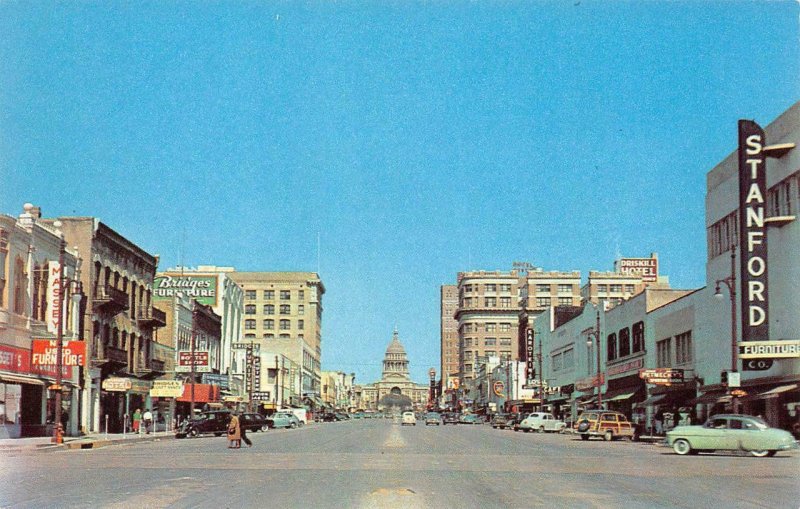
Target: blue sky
point(417, 139)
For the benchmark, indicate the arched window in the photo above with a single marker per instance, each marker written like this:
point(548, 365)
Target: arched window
point(624, 342)
point(611, 345)
point(638, 337)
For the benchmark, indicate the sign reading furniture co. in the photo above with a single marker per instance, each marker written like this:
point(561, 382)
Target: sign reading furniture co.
point(203, 289)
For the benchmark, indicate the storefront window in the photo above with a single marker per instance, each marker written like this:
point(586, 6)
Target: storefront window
point(10, 397)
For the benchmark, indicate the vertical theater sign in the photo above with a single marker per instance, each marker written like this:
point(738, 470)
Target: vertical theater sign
point(756, 350)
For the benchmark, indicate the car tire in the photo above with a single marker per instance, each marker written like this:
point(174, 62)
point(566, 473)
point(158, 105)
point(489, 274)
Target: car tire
point(608, 435)
point(217, 434)
point(760, 454)
point(264, 428)
point(541, 429)
point(293, 425)
point(192, 433)
point(681, 447)
point(584, 437)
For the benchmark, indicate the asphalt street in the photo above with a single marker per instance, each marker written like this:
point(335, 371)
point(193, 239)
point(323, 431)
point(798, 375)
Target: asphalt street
point(380, 464)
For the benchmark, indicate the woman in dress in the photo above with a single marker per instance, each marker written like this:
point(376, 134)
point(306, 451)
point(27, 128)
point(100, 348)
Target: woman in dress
point(234, 433)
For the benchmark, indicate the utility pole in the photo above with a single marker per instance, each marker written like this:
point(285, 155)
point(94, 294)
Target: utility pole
point(57, 432)
point(541, 387)
point(193, 334)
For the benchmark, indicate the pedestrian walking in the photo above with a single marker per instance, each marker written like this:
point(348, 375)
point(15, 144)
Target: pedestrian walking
point(137, 420)
point(148, 420)
point(243, 429)
point(234, 433)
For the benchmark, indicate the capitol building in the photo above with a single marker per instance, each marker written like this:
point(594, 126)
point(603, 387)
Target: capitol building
point(395, 391)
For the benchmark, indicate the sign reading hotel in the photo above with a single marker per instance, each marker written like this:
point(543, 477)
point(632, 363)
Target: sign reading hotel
point(753, 237)
point(647, 268)
point(45, 353)
point(203, 289)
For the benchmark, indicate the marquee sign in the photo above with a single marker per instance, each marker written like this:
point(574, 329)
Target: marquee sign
point(753, 235)
point(529, 355)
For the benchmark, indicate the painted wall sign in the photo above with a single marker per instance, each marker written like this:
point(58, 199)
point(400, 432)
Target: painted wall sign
point(753, 235)
point(45, 353)
point(201, 363)
point(18, 360)
point(203, 289)
point(166, 389)
point(646, 267)
point(624, 367)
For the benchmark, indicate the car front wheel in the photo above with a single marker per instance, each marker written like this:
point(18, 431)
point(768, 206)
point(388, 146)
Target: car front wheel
point(193, 432)
point(681, 447)
point(293, 425)
point(541, 429)
point(762, 454)
point(584, 437)
point(608, 436)
point(264, 427)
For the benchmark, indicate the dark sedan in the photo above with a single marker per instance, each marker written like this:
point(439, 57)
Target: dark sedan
point(451, 418)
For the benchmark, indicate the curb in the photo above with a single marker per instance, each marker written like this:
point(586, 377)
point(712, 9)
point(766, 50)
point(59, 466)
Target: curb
point(83, 444)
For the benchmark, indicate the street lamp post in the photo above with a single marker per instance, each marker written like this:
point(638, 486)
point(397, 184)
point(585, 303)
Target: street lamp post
point(594, 335)
point(63, 283)
point(730, 282)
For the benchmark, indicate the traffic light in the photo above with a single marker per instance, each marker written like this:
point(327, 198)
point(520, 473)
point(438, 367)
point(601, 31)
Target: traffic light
point(723, 377)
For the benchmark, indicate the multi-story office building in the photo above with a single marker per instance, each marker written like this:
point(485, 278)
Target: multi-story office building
point(448, 304)
point(117, 278)
point(283, 313)
point(487, 317)
point(29, 293)
point(211, 286)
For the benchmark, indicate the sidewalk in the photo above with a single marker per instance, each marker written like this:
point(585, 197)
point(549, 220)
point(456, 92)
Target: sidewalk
point(91, 441)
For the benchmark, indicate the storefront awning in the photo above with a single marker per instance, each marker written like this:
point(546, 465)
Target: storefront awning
point(779, 390)
point(17, 379)
point(710, 398)
point(654, 400)
point(619, 395)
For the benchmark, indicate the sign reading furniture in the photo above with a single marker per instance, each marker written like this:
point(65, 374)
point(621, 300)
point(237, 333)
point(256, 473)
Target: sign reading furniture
point(203, 289)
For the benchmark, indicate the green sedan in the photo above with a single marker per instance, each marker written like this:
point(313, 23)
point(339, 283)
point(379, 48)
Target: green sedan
point(730, 432)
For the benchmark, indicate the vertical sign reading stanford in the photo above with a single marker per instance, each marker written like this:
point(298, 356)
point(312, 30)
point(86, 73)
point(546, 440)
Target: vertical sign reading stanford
point(753, 235)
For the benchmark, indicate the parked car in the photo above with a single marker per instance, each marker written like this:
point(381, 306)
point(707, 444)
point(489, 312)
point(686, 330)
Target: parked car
point(283, 420)
point(215, 421)
point(433, 418)
point(499, 421)
point(469, 419)
point(604, 423)
point(513, 420)
point(730, 432)
point(253, 422)
point(408, 418)
point(541, 422)
point(450, 418)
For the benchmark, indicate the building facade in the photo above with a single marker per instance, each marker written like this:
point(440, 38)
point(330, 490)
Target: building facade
point(395, 391)
point(30, 285)
point(117, 278)
point(283, 314)
point(448, 331)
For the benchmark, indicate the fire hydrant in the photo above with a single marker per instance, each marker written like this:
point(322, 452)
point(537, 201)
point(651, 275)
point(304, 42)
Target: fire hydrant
point(59, 438)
